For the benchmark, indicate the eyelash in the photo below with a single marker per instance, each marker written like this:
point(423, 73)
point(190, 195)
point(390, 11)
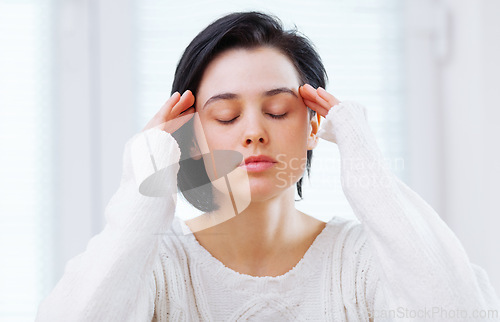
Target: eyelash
point(274, 116)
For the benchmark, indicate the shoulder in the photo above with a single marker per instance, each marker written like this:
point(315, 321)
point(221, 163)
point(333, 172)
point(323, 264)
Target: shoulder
point(350, 241)
point(348, 248)
point(174, 288)
point(354, 266)
point(173, 253)
point(176, 240)
point(346, 235)
point(351, 249)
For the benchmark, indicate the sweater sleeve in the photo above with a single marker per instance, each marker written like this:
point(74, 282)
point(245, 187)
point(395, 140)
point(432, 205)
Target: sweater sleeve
point(422, 264)
point(113, 280)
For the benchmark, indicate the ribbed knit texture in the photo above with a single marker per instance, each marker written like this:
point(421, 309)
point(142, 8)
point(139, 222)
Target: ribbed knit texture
point(400, 255)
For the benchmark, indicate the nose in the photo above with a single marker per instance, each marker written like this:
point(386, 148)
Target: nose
point(250, 140)
point(255, 131)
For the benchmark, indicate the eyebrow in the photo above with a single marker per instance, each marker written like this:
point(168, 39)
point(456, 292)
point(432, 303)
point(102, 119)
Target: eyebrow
point(230, 96)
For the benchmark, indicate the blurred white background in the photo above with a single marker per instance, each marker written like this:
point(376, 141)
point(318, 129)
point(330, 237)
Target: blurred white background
point(79, 77)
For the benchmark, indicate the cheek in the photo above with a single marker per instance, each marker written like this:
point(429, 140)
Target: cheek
point(293, 147)
point(214, 138)
point(297, 131)
point(202, 134)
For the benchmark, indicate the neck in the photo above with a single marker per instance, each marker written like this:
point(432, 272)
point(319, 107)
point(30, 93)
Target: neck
point(263, 230)
point(263, 225)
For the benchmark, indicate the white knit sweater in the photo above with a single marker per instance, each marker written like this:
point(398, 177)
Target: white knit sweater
point(400, 262)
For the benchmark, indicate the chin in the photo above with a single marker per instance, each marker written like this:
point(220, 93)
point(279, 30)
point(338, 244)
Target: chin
point(266, 191)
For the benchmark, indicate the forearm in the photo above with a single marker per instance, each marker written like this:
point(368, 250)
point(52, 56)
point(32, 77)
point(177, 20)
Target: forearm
point(113, 279)
point(422, 263)
point(104, 282)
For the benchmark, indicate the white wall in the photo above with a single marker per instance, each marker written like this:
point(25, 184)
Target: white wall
point(95, 116)
point(471, 110)
point(453, 68)
point(75, 167)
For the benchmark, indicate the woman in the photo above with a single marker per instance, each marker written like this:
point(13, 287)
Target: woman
point(252, 255)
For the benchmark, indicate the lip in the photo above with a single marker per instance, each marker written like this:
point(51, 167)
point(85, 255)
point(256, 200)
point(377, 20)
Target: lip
point(258, 163)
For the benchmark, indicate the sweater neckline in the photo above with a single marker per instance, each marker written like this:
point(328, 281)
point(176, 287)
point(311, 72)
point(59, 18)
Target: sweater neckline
point(223, 275)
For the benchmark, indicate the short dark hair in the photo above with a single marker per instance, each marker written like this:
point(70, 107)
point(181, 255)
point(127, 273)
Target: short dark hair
point(236, 30)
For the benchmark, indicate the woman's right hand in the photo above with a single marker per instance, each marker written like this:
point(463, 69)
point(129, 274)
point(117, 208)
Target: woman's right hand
point(176, 111)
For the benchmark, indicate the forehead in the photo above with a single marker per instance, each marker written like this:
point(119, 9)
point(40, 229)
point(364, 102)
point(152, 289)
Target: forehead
point(248, 71)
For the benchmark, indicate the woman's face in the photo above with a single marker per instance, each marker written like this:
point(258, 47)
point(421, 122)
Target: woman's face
point(248, 102)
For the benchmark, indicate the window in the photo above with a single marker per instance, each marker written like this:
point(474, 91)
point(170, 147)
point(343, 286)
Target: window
point(26, 192)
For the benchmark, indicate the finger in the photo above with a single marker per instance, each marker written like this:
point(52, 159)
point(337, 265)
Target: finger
point(173, 125)
point(332, 100)
point(321, 101)
point(311, 94)
point(180, 114)
point(165, 109)
point(185, 102)
point(315, 106)
point(188, 111)
point(165, 112)
point(307, 91)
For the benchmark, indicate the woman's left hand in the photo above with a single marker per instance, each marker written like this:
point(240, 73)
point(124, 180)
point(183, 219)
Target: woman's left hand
point(318, 99)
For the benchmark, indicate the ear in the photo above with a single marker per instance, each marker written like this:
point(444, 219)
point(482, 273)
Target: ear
point(312, 139)
point(194, 150)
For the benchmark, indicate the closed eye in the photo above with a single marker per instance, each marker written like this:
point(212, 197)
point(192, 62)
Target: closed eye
point(274, 116)
point(277, 116)
point(228, 122)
